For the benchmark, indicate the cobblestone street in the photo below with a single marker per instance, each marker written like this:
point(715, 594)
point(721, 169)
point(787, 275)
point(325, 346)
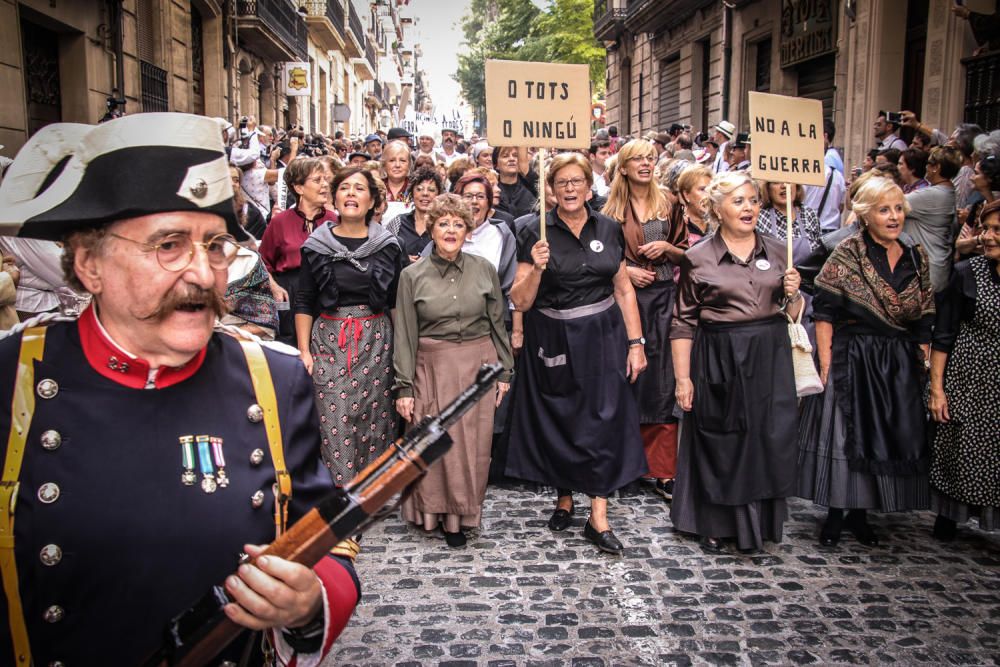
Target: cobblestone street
point(519, 594)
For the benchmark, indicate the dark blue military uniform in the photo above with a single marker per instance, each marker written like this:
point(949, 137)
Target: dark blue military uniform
point(109, 542)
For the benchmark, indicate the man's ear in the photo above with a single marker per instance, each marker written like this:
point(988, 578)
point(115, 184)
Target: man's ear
point(87, 265)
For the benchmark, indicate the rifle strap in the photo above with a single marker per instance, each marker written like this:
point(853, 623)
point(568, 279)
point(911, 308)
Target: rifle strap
point(22, 409)
point(263, 387)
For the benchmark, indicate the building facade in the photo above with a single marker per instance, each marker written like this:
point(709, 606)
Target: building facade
point(78, 61)
point(693, 62)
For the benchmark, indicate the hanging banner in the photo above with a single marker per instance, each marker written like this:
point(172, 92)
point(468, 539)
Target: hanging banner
point(787, 137)
point(296, 79)
point(537, 104)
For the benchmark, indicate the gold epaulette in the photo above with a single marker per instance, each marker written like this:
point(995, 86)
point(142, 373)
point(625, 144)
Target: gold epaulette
point(347, 549)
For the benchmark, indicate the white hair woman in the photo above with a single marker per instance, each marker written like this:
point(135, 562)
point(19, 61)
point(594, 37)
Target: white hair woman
point(734, 378)
point(862, 442)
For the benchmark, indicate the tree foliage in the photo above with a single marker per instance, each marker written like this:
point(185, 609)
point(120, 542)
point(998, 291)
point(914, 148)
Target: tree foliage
point(518, 30)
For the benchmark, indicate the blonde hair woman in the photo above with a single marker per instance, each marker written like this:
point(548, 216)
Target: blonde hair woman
point(653, 246)
point(862, 442)
point(734, 378)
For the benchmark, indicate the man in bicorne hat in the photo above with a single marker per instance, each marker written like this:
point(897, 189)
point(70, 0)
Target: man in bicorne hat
point(138, 464)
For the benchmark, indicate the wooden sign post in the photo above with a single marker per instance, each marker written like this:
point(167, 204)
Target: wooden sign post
point(538, 104)
point(788, 146)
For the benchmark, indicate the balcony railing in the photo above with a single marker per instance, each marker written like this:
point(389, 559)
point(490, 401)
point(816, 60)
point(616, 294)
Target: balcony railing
point(281, 20)
point(355, 22)
point(982, 90)
point(609, 19)
point(153, 84)
point(332, 9)
point(370, 54)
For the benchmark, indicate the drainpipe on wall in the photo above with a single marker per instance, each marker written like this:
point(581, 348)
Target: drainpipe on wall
point(119, 23)
point(727, 54)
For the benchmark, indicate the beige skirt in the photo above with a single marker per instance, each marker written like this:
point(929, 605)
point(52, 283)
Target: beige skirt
point(453, 490)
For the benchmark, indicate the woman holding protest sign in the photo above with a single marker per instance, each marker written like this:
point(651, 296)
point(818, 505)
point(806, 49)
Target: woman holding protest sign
point(576, 424)
point(652, 247)
point(733, 364)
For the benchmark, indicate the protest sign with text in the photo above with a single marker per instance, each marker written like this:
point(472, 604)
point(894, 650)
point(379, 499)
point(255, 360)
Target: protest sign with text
point(787, 135)
point(537, 104)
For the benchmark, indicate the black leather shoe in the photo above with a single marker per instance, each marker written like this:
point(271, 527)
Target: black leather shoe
point(829, 536)
point(665, 488)
point(945, 529)
point(560, 519)
point(862, 531)
point(605, 540)
point(713, 545)
point(454, 539)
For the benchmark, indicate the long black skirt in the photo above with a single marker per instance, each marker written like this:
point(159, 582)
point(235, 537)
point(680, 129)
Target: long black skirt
point(654, 389)
point(737, 454)
point(575, 423)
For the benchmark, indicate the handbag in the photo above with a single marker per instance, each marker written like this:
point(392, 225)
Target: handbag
point(807, 380)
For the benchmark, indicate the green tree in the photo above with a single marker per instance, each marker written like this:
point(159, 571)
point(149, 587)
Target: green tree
point(518, 30)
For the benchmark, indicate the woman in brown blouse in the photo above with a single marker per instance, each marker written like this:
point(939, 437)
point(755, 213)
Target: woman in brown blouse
point(652, 247)
point(449, 321)
point(733, 363)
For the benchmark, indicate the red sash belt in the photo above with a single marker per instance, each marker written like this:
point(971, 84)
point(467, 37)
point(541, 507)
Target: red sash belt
point(350, 332)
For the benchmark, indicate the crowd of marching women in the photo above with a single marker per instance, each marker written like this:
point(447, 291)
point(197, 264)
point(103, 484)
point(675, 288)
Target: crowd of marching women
point(643, 321)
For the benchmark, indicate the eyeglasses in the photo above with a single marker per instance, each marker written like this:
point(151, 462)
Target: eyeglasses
point(567, 183)
point(457, 226)
point(474, 197)
point(176, 251)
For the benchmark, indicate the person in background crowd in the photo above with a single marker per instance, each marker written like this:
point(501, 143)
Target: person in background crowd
point(257, 179)
point(684, 146)
point(922, 142)
point(691, 194)
point(827, 200)
point(654, 244)
point(397, 159)
point(963, 138)
point(660, 142)
point(965, 370)
point(373, 146)
point(832, 157)
point(887, 157)
point(494, 242)
point(482, 155)
point(733, 364)
point(869, 160)
point(457, 170)
point(350, 272)
point(912, 168)
point(985, 28)
point(449, 146)
point(357, 159)
point(493, 215)
point(427, 142)
point(600, 151)
point(10, 276)
point(862, 442)
point(250, 301)
point(282, 241)
point(930, 217)
point(885, 133)
point(613, 138)
point(722, 134)
point(986, 179)
point(739, 152)
point(773, 222)
point(412, 228)
point(575, 424)
point(250, 216)
point(518, 189)
point(449, 313)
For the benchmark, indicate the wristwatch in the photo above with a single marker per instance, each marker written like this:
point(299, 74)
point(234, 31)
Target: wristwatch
point(641, 340)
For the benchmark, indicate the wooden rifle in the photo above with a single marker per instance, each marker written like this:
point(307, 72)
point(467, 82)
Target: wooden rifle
point(199, 634)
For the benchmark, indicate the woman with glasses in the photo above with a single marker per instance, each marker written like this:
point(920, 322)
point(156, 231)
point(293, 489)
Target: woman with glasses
point(412, 228)
point(492, 241)
point(575, 424)
point(350, 270)
point(449, 322)
point(282, 241)
point(733, 364)
point(653, 246)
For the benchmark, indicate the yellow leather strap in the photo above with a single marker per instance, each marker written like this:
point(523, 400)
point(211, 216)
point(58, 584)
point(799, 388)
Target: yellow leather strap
point(263, 388)
point(21, 411)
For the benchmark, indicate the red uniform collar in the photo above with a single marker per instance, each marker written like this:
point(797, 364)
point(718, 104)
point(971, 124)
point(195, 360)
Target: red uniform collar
point(111, 361)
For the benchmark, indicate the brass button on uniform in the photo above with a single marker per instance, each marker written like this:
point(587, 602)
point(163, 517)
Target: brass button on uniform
point(256, 457)
point(47, 388)
point(48, 493)
point(54, 614)
point(51, 440)
point(50, 554)
point(57, 663)
point(255, 413)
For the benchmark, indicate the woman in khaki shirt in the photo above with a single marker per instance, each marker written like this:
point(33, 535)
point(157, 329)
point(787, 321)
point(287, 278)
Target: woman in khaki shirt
point(449, 322)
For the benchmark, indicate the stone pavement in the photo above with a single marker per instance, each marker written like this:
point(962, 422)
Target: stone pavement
point(519, 594)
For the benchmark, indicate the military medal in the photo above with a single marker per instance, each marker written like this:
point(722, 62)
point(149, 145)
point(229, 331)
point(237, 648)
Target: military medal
point(187, 460)
point(220, 461)
point(208, 484)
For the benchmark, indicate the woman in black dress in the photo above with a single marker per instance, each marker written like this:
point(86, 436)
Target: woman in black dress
point(412, 228)
point(733, 364)
point(576, 425)
point(965, 384)
point(350, 271)
point(862, 442)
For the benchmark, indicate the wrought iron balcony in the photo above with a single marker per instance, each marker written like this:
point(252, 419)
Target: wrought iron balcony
point(273, 28)
point(370, 53)
point(327, 20)
point(655, 15)
point(609, 19)
point(354, 39)
point(982, 90)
